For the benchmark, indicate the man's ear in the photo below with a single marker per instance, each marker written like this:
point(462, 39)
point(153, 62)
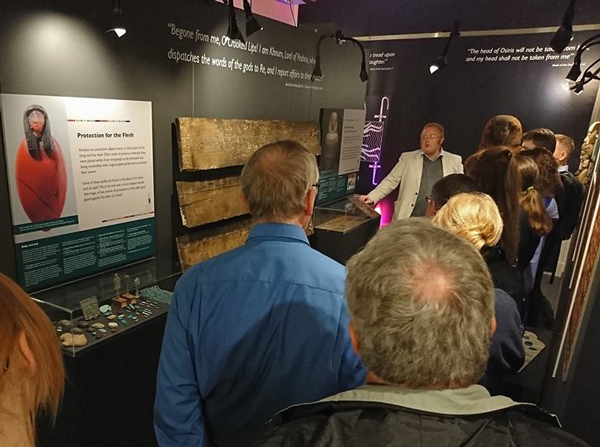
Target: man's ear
point(493, 327)
point(431, 209)
point(243, 197)
point(311, 197)
point(28, 357)
point(563, 156)
point(353, 338)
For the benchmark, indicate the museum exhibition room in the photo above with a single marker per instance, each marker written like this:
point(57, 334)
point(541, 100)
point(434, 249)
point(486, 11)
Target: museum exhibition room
point(239, 223)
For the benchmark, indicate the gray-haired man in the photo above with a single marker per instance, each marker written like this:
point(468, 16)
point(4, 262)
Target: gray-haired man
point(422, 307)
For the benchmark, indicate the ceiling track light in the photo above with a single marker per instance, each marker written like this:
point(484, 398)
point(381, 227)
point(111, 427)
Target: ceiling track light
point(587, 77)
point(442, 60)
point(115, 21)
point(340, 38)
point(252, 25)
point(575, 70)
point(233, 31)
point(564, 34)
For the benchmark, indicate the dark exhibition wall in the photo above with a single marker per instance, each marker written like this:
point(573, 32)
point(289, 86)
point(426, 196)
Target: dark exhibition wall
point(173, 55)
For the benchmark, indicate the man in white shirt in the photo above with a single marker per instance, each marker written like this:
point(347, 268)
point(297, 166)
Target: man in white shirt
point(417, 172)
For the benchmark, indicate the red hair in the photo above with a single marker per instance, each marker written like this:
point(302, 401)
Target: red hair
point(19, 314)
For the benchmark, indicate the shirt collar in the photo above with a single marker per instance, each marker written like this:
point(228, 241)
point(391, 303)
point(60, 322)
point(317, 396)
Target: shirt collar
point(439, 156)
point(564, 168)
point(277, 231)
point(474, 399)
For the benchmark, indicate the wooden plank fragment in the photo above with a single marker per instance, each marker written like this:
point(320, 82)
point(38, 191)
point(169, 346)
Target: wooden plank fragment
point(202, 245)
point(210, 201)
point(206, 143)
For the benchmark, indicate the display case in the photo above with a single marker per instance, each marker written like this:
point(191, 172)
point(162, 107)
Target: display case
point(344, 226)
point(87, 312)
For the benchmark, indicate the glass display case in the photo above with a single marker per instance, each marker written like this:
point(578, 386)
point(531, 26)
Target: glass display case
point(92, 310)
point(343, 215)
point(344, 226)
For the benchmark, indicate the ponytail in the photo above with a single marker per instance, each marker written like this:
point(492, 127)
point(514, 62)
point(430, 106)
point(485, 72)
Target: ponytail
point(532, 203)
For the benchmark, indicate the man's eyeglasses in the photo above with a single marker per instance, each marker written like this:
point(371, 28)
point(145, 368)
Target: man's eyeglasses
point(431, 136)
point(316, 186)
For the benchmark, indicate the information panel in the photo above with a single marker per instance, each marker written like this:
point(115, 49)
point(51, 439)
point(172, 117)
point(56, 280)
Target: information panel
point(81, 185)
point(341, 145)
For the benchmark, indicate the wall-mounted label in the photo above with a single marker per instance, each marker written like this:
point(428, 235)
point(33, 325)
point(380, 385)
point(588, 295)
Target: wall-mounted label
point(81, 184)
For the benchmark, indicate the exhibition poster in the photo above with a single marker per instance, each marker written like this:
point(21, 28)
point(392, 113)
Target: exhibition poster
point(81, 182)
point(341, 145)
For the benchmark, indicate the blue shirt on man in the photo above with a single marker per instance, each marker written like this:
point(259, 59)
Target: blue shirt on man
point(249, 333)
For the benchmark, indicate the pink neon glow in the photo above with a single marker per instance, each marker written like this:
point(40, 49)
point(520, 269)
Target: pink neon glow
point(386, 211)
point(272, 9)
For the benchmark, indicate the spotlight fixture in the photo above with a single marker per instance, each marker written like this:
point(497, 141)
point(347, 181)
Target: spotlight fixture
point(564, 34)
point(439, 63)
point(587, 77)
point(575, 70)
point(233, 31)
point(340, 38)
point(442, 60)
point(252, 24)
point(577, 88)
point(317, 73)
point(116, 22)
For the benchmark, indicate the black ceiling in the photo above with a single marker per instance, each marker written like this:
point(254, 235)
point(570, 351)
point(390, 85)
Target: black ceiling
point(376, 17)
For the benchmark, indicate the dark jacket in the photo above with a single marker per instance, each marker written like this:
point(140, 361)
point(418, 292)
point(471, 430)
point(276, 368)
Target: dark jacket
point(528, 242)
point(507, 354)
point(506, 348)
point(507, 278)
point(569, 208)
point(378, 416)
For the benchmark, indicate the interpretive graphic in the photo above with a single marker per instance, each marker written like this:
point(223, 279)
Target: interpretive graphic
point(373, 140)
point(341, 145)
point(81, 184)
point(40, 172)
point(342, 135)
point(330, 153)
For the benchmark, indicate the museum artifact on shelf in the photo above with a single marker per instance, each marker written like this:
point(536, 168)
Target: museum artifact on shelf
point(210, 201)
point(82, 321)
point(201, 244)
point(207, 143)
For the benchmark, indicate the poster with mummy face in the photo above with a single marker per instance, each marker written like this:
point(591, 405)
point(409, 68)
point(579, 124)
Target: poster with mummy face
point(81, 184)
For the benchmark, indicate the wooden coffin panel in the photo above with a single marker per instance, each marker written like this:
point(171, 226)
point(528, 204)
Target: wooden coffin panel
point(207, 143)
point(210, 201)
point(203, 245)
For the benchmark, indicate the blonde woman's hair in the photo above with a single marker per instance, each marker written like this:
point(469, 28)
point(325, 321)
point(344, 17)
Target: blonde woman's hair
point(42, 390)
point(530, 198)
point(472, 216)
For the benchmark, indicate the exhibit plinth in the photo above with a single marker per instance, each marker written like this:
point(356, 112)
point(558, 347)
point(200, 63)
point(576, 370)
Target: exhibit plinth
point(111, 379)
point(343, 227)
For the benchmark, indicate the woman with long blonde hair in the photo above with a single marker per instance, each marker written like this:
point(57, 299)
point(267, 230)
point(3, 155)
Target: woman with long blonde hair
point(31, 368)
